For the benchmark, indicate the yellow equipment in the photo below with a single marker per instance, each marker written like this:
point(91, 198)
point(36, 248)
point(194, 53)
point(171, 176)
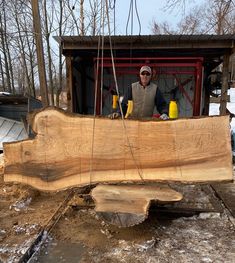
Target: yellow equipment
point(129, 108)
point(173, 110)
point(115, 101)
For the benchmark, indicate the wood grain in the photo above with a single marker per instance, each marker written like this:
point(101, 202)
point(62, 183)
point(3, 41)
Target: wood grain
point(128, 205)
point(72, 150)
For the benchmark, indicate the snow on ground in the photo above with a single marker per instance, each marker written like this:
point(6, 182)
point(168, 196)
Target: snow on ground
point(214, 107)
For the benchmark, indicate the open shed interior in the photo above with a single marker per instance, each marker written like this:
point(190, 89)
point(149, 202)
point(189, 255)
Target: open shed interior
point(182, 67)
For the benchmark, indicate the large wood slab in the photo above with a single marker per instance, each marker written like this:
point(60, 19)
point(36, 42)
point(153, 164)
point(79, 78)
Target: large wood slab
point(73, 150)
point(128, 205)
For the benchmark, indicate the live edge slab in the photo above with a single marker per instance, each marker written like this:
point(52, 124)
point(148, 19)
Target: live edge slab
point(131, 160)
point(73, 150)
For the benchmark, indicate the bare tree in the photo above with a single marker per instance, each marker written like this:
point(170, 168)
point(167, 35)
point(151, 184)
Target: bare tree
point(18, 48)
point(219, 17)
point(2, 75)
point(82, 26)
point(18, 14)
point(214, 17)
point(162, 28)
point(60, 55)
point(30, 54)
point(4, 43)
point(48, 47)
point(193, 22)
point(176, 4)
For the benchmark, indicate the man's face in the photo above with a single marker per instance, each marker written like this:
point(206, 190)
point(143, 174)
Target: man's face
point(145, 77)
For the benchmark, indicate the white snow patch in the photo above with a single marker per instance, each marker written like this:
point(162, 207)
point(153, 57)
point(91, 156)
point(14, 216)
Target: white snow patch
point(22, 204)
point(208, 215)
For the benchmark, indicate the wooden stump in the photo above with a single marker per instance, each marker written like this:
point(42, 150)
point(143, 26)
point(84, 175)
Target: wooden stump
point(128, 205)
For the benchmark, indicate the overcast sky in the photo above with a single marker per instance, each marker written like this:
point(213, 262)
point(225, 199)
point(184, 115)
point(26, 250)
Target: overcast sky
point(148, 11)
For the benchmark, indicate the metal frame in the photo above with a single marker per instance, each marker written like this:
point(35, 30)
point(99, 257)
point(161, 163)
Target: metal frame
point(167, 62)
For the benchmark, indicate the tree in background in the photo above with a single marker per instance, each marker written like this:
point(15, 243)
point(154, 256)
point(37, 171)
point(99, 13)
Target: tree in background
point(18, 63)
point(212, 17)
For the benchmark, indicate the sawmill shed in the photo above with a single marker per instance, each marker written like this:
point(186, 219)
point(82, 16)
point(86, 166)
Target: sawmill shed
point(182, 67)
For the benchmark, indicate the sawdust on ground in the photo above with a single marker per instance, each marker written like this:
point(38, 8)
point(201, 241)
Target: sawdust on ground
point(206, 237)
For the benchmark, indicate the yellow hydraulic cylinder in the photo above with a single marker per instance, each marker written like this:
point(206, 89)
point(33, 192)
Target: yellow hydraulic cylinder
point(129, 108)
point(173, 110)
point(115, 101)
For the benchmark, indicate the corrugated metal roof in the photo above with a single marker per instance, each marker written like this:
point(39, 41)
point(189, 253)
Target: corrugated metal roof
point(16, 107)
point(11, 130)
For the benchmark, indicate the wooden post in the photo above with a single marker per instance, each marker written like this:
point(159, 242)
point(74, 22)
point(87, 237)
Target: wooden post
point(40, 56)
point(224, 88)
point(69, 83)
point(198, 90)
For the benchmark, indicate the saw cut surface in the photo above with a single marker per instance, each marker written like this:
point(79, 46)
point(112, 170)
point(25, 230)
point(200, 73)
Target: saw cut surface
point(128, 205)
point(71, 150)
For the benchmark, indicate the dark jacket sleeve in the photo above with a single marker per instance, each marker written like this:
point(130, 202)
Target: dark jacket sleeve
point(160, 102)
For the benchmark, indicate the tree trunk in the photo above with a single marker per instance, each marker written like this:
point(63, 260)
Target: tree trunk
point(2, 75)
point(82, 27)
point(224, 88)
point(4, 50)
point(23, 55)
point(31, 61)
point(59, 89)
point(40, 55)
point(9, 57)
point(51, 84)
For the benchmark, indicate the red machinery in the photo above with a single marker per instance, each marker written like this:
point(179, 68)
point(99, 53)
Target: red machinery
point(191, 66)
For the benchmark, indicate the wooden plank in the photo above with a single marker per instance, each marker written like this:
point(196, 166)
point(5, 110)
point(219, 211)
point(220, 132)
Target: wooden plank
point(127, 205)
point(66, 153)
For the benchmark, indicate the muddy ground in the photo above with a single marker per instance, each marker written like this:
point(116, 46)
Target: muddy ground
point(170, 234)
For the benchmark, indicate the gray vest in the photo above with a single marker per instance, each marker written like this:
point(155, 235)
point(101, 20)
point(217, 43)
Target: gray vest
point(143, 100)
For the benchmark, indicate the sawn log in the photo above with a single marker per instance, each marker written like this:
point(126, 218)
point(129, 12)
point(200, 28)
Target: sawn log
point(128, 205)
point(71, 150)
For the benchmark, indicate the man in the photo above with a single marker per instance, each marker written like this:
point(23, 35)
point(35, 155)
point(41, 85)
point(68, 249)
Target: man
point(145, 96)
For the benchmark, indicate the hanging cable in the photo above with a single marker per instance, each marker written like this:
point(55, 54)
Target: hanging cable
point(129, 14)
point(96, 91)
point(114, 18)
point(102, 56)
point(113, 7)
point(110, 6)
point(131, 17)
point(137, 14)
point(140, 172)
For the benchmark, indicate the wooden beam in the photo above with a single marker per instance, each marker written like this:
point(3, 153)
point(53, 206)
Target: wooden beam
point(149, 42)
point(224, 88)
point(72, 150)
point(69, 83)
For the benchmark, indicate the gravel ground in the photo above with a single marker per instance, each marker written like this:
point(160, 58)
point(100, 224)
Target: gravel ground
point(80, 236)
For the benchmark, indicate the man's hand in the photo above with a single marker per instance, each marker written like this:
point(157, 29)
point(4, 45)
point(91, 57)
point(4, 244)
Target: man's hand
point(164, 117)
point(114, 115)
